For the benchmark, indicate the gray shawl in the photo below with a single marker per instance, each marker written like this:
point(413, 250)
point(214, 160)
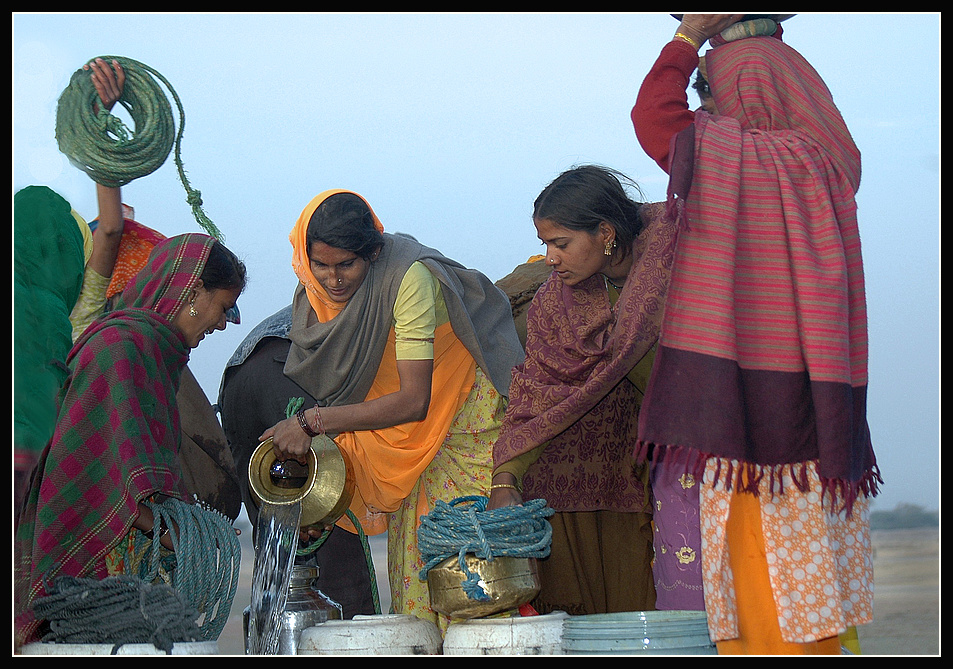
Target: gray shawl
point(337, 361)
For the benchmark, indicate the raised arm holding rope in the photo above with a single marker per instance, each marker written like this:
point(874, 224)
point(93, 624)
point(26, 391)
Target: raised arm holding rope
point(107, 491)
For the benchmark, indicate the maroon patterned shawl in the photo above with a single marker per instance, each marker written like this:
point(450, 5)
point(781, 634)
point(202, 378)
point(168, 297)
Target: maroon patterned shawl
point(763, 352)
point(570, 390)
point(117, 434)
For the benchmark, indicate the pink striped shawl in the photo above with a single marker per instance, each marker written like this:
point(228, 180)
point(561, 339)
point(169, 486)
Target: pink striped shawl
point(763, 351)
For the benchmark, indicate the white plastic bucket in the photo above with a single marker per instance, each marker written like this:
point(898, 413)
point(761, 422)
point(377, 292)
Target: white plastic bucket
point(387, 634)
point(187, 648)
point(639, 632)
point(530, 635)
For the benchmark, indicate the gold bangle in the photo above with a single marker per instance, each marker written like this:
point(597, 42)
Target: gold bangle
point(504, 485)
point(683, 36)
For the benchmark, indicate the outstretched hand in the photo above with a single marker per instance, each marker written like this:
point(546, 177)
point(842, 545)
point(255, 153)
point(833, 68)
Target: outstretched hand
point(109, 81)
point(701, 27)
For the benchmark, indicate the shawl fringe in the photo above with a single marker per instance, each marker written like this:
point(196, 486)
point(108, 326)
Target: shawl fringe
point(837, 495)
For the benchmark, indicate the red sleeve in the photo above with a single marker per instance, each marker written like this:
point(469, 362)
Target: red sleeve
point(661, 109)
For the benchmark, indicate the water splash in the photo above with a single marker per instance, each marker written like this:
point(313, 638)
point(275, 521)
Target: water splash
point(276, 540)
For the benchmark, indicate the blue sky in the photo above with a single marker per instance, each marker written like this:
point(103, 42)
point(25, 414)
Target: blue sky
point(451, 123)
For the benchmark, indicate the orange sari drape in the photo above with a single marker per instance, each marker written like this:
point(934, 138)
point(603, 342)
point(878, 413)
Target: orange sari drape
point(387, 462)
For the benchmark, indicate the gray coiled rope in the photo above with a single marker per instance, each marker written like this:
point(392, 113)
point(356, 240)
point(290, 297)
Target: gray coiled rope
point(102, 146)
point(118, 610)
point(511, 531)
point(140, 607)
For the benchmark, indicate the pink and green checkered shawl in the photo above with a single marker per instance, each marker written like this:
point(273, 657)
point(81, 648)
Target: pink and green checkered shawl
point(763, 350)
point(117, 434)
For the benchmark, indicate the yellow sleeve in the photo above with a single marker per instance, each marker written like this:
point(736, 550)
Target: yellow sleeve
point(91, 302)
point(418, 310)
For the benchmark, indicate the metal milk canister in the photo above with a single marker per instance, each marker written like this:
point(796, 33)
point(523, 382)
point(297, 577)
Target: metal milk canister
point(306, 607)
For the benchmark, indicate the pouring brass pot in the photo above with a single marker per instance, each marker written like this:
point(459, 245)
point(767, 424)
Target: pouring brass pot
point(324, 488)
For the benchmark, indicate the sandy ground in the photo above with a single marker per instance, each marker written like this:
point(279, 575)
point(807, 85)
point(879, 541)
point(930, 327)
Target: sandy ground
point(906, 596)
point(906, 599)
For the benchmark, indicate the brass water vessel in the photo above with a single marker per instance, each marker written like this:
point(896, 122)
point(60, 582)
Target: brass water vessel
point(508, 581)
point(324, 487)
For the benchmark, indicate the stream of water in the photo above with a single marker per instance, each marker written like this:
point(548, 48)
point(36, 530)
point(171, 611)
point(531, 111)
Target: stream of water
point(276, 540)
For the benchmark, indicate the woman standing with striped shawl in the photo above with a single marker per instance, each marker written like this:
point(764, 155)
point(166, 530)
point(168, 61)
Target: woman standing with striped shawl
point(117, 435)
point(761, 376)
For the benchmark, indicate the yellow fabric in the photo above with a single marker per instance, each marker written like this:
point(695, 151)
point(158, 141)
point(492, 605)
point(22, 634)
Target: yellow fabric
point(387, 463)
point(91, 303)
point(461, 467)
point(87, 235)
point(850, 641)
point(758, 629)
point(418, 310)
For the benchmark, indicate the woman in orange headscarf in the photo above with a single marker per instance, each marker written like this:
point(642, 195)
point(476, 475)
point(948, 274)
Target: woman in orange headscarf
point(408, 354)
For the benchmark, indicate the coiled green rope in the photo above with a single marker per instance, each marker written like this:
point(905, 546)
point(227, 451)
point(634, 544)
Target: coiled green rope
point(167, 598)
point(511, 531)
point(104, 148)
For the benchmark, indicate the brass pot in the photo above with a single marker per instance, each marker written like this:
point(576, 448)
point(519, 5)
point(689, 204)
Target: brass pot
point(324, 488)
point(510, 582)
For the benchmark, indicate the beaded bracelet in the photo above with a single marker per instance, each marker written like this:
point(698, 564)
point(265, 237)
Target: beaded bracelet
point(303, 422)
point(318, 423)
point(504, 485)
point(686, 38)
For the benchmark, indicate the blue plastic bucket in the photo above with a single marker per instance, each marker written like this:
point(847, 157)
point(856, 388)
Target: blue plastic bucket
point(638, 632)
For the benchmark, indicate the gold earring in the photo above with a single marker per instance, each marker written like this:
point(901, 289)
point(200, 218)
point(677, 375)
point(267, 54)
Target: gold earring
point(192, 312)
point(609, 246)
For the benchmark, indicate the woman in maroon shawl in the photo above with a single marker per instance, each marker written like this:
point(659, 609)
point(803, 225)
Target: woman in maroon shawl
point(117, 435)
point(760, 381)
point(569, 433)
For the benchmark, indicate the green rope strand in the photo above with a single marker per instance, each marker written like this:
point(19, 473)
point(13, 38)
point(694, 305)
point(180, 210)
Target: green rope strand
point(294, 404)
point(102, 146)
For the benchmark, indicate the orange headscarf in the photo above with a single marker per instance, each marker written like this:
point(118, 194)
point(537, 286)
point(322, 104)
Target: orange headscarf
point(323, 306)
point(388, 462)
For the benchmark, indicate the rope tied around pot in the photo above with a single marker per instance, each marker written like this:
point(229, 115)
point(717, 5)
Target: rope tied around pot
point(511, 531)
point(101, 145)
